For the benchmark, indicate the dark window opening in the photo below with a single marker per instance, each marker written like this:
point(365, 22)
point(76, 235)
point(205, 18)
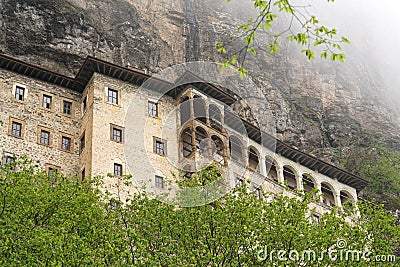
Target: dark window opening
point(19, 93)
point(112, 96)
point(236, 148)
point(82, 143)
point(199, 106)
point(289, 178)
point(117, 169)
point(159, 147)
point(184, 110)
point(253, 159)
point(187, 142)
point(47, 101)
point(67, 107)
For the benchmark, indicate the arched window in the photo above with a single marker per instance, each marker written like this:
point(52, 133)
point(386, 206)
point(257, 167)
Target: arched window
point(199, 106)
point(184, 109)
point(219, 145)
point(253, 159)
point(271, 169)
point(289, 177)
point(236, 148)
point(308, 182)
point(328, 197)
point(186, 139)
point(200, 135)
point(346, 197)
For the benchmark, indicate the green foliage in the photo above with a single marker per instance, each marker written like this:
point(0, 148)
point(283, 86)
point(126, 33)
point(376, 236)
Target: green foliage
point(303, 29)
point(70, 223)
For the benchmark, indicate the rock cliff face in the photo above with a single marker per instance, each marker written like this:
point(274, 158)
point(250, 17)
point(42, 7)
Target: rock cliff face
point(318, 106)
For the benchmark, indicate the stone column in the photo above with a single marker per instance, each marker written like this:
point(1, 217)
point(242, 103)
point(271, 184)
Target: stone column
point(299, 180)
point(281, 179)
point(338, 201)
point(261, 166)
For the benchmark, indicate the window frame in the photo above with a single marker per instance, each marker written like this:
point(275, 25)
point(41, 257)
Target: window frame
point(17, 90)
point(156, 149)
point(41, 129)
point(44, 137)
point(14, 92)
point(159, 181)
point(43, 102)
point(13, 120)
point(112, 97)
point(65, 136)
point(17, 131)
point(118, 168)
point(71, 110)
point(113, 128)
point(154, 108)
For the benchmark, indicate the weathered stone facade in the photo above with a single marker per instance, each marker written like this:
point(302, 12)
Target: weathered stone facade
point(105, 97)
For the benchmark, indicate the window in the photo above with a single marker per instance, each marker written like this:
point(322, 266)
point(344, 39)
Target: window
point(112, 96)
point(84, 103)
point(239, 181)
point(66, 143)
point(67, 107)
point(19, 93)
point(315, 219)
point(160, 146)
point(159, 181)
point(116, 133)
point(117, 169)
point(83, 174)
point(47, 101)
point(256, 190)
point(152, 108)
point(8, 159)
point(44, 137)
point(82, 143)
point(16, 129)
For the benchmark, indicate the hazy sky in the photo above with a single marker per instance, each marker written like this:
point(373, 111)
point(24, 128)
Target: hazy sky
point(374, 27)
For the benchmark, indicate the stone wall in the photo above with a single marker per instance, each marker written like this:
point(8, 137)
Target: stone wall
point(34, 117)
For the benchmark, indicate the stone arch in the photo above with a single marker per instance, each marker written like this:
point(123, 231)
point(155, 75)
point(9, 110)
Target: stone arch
point(219, 145)
point(290, 176)
point(346, 196)
point(253, 158)
point(271, 167)
point(309, 182)
point(200, 134)
point(236, 148)
point(328, 191)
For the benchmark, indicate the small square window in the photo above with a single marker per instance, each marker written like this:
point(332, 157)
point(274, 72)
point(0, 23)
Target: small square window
point(159, 181)
point(16, 129)
point(47, 101)
point(117, 169)
point(19, 93)
point(8, 159)
point(66, 143)
point(152, 109)
point(112, 96)
point(44, 137)
point(116, 133)
point(82, 143)
point(67, 107)
point(160, 146)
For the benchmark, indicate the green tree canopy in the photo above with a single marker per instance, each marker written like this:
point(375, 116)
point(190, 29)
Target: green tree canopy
point(60, 221)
